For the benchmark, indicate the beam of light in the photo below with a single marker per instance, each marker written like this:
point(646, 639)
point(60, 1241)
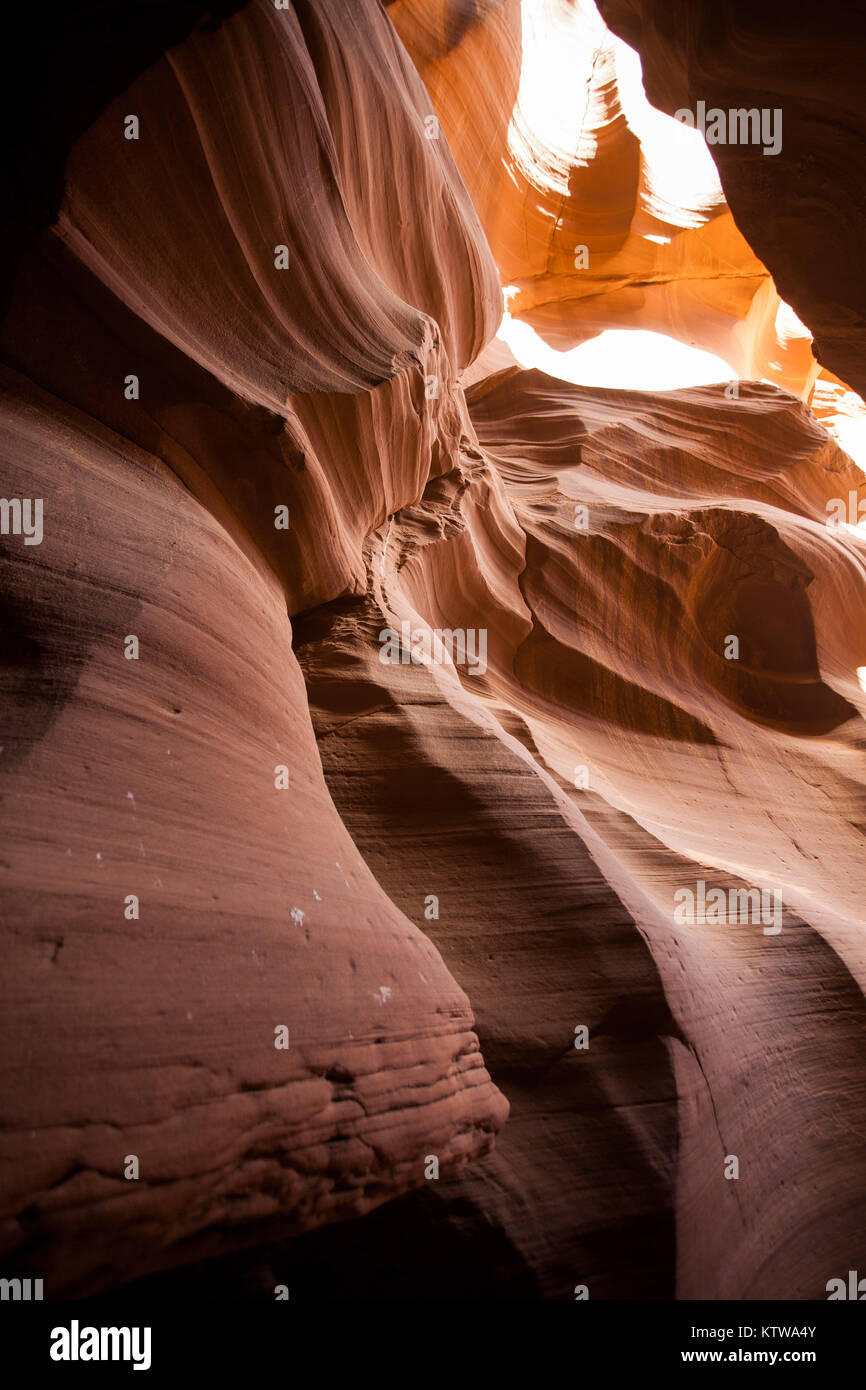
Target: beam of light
point(625, 358)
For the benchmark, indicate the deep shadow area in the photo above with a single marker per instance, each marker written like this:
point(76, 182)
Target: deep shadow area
point(405, 1250)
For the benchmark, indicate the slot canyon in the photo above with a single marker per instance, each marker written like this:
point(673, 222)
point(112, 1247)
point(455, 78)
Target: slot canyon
point(434, 652)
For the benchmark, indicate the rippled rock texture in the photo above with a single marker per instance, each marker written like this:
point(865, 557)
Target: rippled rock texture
point(337, 971)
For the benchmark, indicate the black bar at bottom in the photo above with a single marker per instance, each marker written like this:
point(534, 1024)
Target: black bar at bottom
point(280, 1339)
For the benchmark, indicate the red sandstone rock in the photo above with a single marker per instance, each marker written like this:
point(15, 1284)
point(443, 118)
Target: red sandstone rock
point(156, 777)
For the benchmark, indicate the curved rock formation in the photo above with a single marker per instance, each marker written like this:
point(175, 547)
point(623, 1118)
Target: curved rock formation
point(616, 737)
point(801, 209)
point(377, 711)
point(603, 213)
point(155, 350)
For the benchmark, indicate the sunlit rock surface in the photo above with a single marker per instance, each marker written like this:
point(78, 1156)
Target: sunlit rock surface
point(252, 369)
point(601, 212)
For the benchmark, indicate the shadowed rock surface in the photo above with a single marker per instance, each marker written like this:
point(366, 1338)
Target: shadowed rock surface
point(802, 209)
